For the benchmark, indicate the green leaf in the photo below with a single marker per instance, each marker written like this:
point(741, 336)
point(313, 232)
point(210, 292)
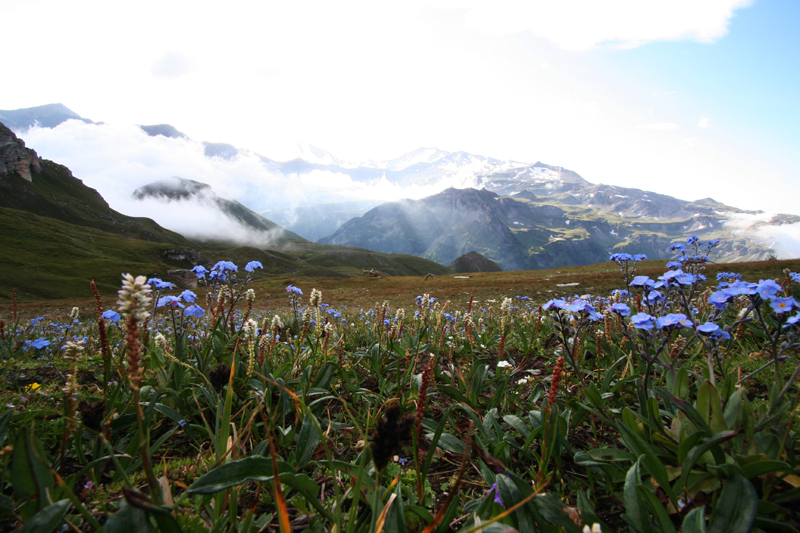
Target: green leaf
point(30, 475)
point(651, 462)
point(6, 505)
point(759, 468)
point(695, 521)
point(736, 508)
point(449, 442)
point(254, 468)
point(127, 520)
point(46, 520)
point(709, 407)
point(635, 512)
point(396, 517)
point(4, 421)
point(697, 452)
point(307, 441)
point(681, 389)
point(517, 423)
point(660, 513)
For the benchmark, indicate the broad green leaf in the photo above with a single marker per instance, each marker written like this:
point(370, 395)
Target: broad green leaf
point(709, 407)
point(759, 468)
point(46, 520)
point(659, 511)
point(307, 441)
point(695, 521)
point(635, 511)
point(697, 452)
point(127, 520)
point(30, 475)
point(651, 462)
point(517, 423)
point(254, 468)
point(736, 508)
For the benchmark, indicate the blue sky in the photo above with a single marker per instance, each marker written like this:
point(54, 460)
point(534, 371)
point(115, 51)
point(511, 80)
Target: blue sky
point(685, 97)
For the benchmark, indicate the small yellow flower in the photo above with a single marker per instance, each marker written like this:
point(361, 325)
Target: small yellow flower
point(33, 387)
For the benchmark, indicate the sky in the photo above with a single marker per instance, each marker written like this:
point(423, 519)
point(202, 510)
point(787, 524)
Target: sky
point(692, 98)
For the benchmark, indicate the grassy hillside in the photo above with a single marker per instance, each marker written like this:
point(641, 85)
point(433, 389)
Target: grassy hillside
point(55, 193)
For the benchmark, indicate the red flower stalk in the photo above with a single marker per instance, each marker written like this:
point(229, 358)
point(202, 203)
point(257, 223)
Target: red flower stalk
point(555, 382)
point(101, 324)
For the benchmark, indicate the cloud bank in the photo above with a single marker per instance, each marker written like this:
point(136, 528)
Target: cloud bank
point(117, 160)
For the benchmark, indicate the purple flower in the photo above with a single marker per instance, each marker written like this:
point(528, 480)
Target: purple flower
point(496, 494)
point(252, 265)
point(642, 321)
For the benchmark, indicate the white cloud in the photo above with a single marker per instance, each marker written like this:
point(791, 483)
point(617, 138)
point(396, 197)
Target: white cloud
point(784, 239)
point(703, 122)
point(658, 126)
point(172, 65)
point(582, 24)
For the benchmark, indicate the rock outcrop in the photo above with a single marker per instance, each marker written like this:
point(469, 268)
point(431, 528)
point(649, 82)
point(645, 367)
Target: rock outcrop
point(473, 262)
point(15, 157)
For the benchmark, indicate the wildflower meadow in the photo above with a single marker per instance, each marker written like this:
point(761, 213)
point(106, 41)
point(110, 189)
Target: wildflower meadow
point(669, 404)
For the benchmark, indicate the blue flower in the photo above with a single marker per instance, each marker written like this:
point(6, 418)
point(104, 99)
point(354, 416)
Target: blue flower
point(170, 301)
point(768, 289)
point(673, 320)
point(719, 299)
point(38, 344)
point(642, 281)
point(222, 266)
point(576, 307)
point(621, 257)
point(555, 304)
point(252, 265)
point(639, 257)
point(795, 276)
point(194, 310)
point(712, 330)
point(200, 271)
point(621, 309)
point(684, 278)
point(113, 316)
point(792, 320)
point(292, 288)
point(741, 287)
point(159, 284)
point(188, 296)
point(784, 305)
point(677, 246)
point(692, 240)
point(655, 296)
point(642, 321)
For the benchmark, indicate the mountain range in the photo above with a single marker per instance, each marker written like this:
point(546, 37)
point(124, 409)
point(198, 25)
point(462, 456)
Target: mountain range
point(57, 234)
point(519, 215)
